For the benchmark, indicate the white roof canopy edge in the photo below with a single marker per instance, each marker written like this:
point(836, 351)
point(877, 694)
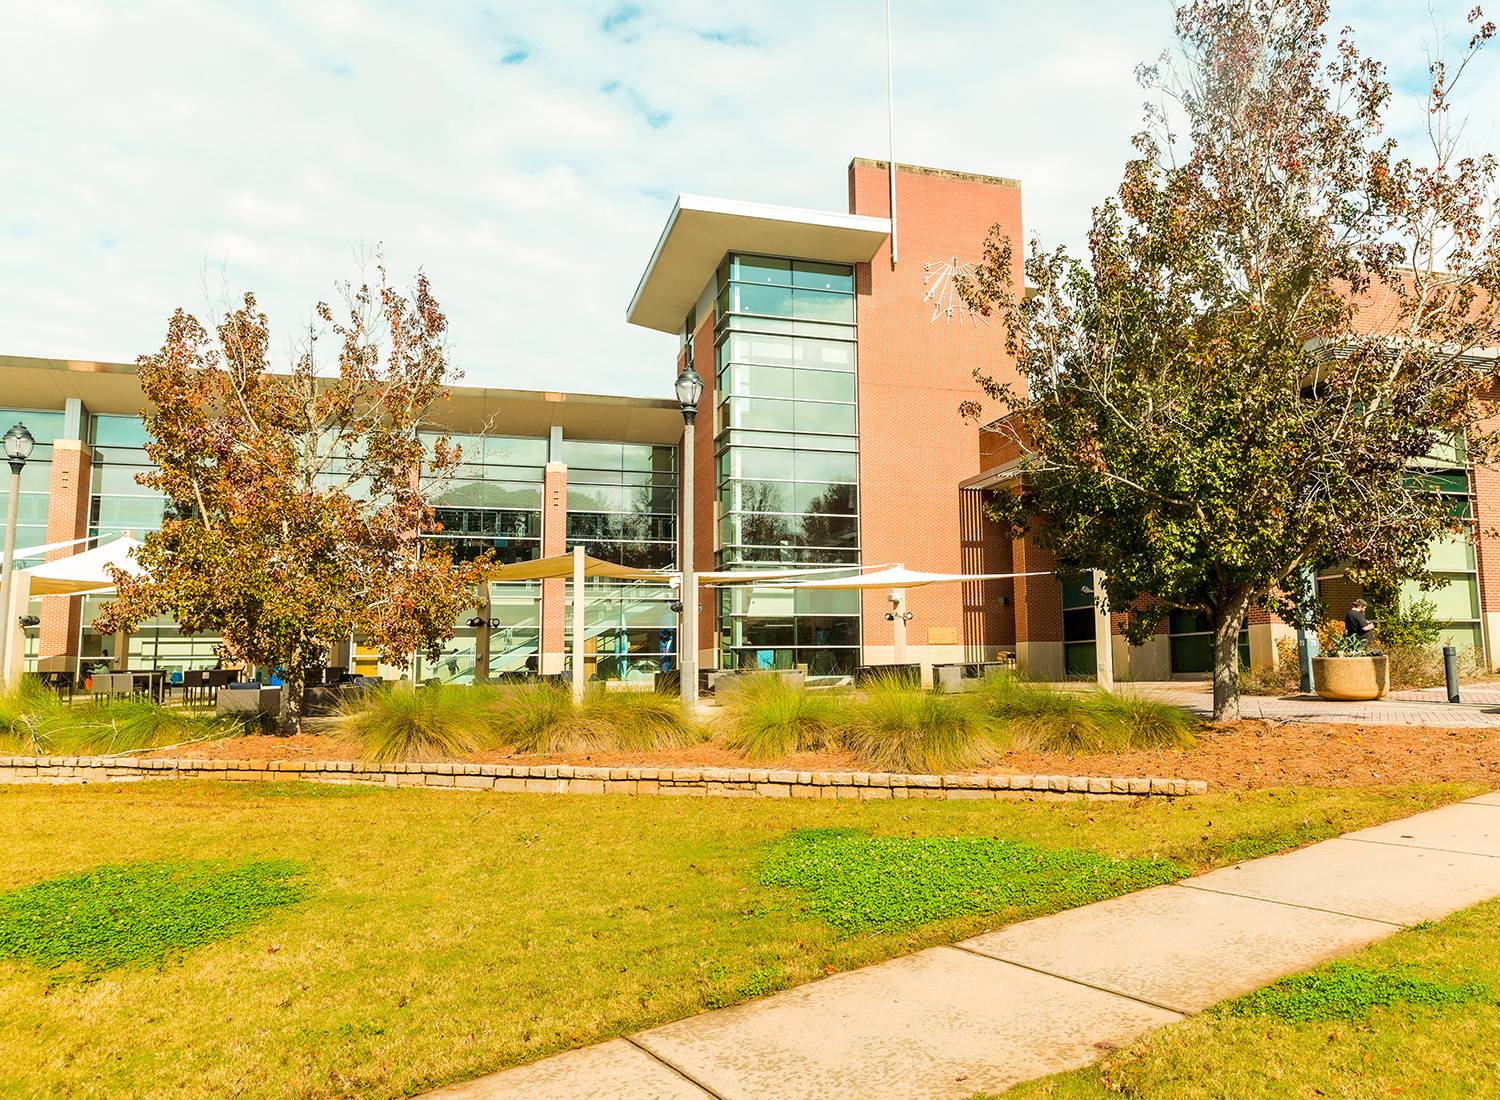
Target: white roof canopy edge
point(701, 229)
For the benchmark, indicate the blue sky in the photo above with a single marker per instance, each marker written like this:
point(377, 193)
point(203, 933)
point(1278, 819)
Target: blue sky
point(525, 155)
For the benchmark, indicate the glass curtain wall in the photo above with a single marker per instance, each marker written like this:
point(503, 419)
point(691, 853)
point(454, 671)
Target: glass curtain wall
point(119, 505)
point(31, 505)
point(1451, 559)
point(491, 501)
point(622, 507)
point(787, 453)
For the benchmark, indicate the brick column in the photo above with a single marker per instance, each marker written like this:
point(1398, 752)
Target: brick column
point(1484, 481)
point(554, 589)
point(67, 519)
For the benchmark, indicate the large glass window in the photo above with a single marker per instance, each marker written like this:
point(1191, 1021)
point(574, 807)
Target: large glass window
point(118, 502)
point(622, 506)
point(1191, 639)
point(36, 479)
point(1079, 641)
point(787, 441)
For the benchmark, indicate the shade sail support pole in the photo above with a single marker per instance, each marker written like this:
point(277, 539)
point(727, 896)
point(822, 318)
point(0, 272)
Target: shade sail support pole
point(578, 624)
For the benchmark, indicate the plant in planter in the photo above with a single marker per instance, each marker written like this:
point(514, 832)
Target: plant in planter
point(1348, 671)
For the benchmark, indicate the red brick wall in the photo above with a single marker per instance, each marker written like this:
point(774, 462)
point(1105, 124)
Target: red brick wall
point(1485, 482)
point(67, 519)
point(705, 482)
point(913, 373)
point(1038, 600)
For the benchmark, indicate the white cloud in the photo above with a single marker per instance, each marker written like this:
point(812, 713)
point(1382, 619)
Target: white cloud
point(523, 155)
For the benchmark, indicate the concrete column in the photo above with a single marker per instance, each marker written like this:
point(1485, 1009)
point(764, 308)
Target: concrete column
point(1104, 643)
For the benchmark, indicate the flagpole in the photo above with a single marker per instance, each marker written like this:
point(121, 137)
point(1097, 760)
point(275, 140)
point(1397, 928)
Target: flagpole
point(890, 119)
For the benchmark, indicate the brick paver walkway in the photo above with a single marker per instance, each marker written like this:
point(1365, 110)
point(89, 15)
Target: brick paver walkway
point(1046, 995)
point(1424, 707)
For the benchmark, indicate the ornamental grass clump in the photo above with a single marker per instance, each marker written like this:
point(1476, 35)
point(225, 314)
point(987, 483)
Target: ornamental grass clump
point(402, 723)
point(34, 721)
point(766, 717)
point(897, 726)
point(1026, 714)
point(449, 721)
point(640, 721)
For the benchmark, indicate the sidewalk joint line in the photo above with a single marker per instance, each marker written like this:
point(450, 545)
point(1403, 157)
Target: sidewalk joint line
point(1418, 847)
point(1292, 904)
point(1075, 981)
point(684, 1074)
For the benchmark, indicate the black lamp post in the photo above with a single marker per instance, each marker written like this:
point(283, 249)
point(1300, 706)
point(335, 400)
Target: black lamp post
point(689, 390)
point(18, 444)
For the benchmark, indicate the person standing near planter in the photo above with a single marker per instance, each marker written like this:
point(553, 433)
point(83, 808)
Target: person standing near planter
point(1356, 625)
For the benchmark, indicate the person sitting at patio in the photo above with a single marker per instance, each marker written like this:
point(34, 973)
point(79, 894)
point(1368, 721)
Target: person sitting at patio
point(1356, 625)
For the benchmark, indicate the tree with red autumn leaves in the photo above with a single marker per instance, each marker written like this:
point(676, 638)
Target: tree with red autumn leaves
point(1280, 317)
point(296, 501)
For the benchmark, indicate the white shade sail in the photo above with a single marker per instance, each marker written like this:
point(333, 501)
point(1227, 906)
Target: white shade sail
point(85, 572)
point(770, 576)
point(24, 552)
point(897, 576)
point(561, 565)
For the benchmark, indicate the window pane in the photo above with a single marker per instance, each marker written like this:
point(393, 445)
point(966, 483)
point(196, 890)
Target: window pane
point(828, 419)
point(752, 462)
point(757, 381)
point(510, 450)
point(762, 269)
point(823, 276)
point(816, 305)
point(1078, 624)
point(820, 497)
point(827, 601)
point(773, 301)
point(600, 456)
point(759, 496)
point(833, 630)
point(751, 347)
point(1192, 653)
point(1078, 593)
point(1450, 554)
point(742, 412)
point(1079, 659)
point(819, 385)
point(826, 466)
point(825, 354)
point(119, 431)
point(1457, 599)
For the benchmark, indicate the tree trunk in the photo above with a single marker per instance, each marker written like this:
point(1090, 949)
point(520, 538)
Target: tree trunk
point(1227, 621)
point(289, 721)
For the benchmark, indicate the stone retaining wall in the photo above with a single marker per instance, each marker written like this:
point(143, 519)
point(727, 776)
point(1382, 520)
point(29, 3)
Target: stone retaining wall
point(566, 779)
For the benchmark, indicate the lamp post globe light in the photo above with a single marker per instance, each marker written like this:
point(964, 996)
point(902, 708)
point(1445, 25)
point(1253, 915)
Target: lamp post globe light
point(689, 390)
point(18, 444)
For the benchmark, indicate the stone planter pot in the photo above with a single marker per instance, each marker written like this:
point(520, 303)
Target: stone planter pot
point(1352, 679)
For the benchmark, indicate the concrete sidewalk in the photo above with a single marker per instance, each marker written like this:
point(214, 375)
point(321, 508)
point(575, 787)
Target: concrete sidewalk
point(1046, 995)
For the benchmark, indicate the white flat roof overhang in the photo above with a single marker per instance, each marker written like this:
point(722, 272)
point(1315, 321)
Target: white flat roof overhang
point(700, 230)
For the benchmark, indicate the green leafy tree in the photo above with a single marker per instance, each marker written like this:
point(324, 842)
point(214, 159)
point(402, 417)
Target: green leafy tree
point(297, 500)
point(1279, 315)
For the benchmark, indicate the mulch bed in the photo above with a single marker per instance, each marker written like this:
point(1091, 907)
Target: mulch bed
point(1235, 756)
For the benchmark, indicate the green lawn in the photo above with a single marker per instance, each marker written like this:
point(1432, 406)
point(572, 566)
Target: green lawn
point(393, 940)
point(1414, 1016)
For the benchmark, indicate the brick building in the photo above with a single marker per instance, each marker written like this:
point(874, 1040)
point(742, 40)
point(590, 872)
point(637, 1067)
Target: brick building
point(834, 357)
